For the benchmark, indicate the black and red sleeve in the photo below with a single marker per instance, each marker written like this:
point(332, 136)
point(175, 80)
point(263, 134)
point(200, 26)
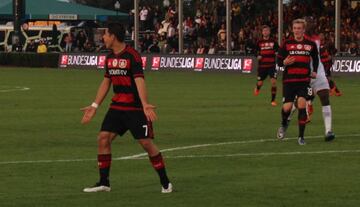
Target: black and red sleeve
point(315, 57)
point(282, 54)
point(136, 65)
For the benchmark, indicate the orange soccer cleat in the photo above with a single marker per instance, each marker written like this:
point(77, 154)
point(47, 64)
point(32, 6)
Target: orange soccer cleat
point(256, 92)
point(273, 103)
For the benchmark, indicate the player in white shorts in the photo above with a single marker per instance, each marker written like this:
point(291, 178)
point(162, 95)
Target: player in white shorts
point(319, 85)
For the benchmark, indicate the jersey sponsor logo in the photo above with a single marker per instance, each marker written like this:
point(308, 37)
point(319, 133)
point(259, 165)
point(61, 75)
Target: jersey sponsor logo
point(299, 46)
point(297, 52)
point(123, 63)
point(118, 63)
point(308, 47)
point(118, 72)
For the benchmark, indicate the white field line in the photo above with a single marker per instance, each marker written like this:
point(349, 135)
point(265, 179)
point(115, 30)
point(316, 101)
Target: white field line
point(227, 143)
point(16, 88)
point(144, 155)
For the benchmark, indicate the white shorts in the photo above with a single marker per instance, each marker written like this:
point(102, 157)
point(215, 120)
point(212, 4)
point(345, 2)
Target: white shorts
point(319, 83)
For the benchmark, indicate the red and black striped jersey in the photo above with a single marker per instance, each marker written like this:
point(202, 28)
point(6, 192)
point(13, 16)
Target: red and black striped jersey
point(325, 57)
point(122, 69)
point(305, 52)
point(267, 50)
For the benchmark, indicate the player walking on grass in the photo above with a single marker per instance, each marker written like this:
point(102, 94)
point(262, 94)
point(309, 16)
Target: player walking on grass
point(266, 50)
point(297, 55)
point(129, 109)
point(319, 85)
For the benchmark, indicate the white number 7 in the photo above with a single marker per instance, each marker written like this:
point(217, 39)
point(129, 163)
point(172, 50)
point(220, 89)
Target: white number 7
point(146, 130)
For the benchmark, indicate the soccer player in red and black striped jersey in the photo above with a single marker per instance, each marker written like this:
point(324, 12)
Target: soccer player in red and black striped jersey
point(297, 55)
point(326, 59)
point(129, 109)
point(266, 54)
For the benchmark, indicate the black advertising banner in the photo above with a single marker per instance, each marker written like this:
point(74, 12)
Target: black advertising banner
point(346, 65)
point(244, 64)
point(82, 60)
point(201, 63)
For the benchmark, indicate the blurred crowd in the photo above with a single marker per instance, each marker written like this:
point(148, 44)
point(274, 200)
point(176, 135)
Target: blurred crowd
point(204, 27)
point(205, 31)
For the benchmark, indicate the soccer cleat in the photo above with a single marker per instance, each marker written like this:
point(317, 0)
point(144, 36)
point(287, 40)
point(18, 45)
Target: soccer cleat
point(338, 94)
point(332, 92)
point(98, 187)
point(273, 103)
point(330, 136)
point(256, 92)
point(281, 132)
point(169, 189)
point(301, 141)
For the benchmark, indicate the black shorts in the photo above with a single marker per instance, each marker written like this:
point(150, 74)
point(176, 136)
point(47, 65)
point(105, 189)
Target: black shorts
point(264, 72)
point(120, 121)
point(292, 90)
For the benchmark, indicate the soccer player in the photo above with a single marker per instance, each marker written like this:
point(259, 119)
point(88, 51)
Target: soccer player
point(297, 55)
point(129, 109)
point(326, 60)
point(266, 54)
point(320, 85)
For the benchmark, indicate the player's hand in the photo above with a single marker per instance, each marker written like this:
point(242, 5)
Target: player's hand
point(89, 113)
point(313, 75)
point(149, 111)
point(289, 60)
point(259, 57)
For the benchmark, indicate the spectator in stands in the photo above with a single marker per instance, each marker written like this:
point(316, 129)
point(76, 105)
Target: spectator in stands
point(200, 50)
point(250, 46)
point(222, 34)
point(162, 43)
point(212, 48)
point(171, 32)
point(80, 41)
point(68, 40)
point(353, 49)
point(31, 47)
point(17, 47)
point(42, 47)
point(89, 46)
point(54, 35)
point(154, 47)
point(143, 18)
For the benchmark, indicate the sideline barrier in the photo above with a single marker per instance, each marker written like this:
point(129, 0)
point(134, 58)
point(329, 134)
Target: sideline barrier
point(28, 59)
point(346, 65)
point(244, 64)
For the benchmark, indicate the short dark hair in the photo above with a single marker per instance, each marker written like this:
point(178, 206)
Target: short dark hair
point(118, 30)
point(265, 27)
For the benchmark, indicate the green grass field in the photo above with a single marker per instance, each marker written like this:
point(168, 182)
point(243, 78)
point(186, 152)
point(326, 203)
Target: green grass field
point(47, 156)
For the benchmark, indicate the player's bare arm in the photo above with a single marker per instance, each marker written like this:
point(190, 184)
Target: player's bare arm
point(90, 111)
point(149, 109)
